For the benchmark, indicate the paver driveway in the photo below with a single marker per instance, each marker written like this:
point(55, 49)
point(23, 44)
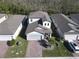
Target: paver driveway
point(3, 48)
point(34, 49)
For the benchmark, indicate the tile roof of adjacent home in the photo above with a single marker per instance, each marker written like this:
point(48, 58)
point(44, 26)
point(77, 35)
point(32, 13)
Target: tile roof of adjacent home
point(40, 14)
point(11, 24)
point(75, 18)
point(61, 22)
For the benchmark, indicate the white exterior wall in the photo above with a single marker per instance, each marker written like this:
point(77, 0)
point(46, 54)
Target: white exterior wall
point(2, 19)
point(76, 51)
point(50, 35)
point(70, 37)
point(5, 37)
point(33, 20)
point(34, 36)
point(17, 31)
point(47, 24)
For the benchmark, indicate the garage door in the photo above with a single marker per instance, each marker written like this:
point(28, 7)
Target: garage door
point(34, 36)
point(5, 37)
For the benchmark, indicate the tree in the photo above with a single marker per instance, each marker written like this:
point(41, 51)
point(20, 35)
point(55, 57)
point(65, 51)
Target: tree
point(68, 6)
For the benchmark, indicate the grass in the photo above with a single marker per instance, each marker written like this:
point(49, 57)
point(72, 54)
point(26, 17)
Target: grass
point(17, 51)
point(58, 51)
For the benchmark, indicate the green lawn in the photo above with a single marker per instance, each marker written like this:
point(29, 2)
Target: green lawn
point(17, 51)
point(58, 51)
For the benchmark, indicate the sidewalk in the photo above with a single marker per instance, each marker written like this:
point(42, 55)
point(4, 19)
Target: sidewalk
point(75, 54)
point(34, 49)
point(3, 49)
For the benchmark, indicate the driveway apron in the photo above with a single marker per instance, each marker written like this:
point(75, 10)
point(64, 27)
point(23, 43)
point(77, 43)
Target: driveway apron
point(3, 49)
point(34, 49)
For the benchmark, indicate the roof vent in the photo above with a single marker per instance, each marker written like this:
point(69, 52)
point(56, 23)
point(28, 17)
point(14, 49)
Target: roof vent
point(3, 18)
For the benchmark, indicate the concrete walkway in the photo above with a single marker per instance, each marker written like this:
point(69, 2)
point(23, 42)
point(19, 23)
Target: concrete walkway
point(34, 49)
point(75, 54)
point(3, 49)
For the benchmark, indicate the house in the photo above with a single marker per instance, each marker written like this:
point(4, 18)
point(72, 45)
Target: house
point(10, 26)
point(67, 29)
point(75, 43)
point(39, 26)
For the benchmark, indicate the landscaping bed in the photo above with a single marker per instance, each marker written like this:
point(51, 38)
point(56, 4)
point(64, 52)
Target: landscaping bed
point(59, 49)
point(17, 50)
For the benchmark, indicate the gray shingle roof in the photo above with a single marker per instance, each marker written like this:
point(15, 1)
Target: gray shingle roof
point(43, 30)
point(32, 27)
point(9, 26)
point(40, 14)
point(75, 32)
point(75, 18)
point(61, 23)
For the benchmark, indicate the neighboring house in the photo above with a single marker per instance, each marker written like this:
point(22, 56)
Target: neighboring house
point(61, 24)
point(10, 26)
point(66, 29)
point(39, 26)
point(75, 36)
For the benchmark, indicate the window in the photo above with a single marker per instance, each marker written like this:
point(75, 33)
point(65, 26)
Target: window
point(48, 24)
point(31, 20)
point(74, 44)
point(45, 24)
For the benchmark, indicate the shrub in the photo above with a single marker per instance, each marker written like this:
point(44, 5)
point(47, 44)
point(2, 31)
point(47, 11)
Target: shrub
point(11, 43)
